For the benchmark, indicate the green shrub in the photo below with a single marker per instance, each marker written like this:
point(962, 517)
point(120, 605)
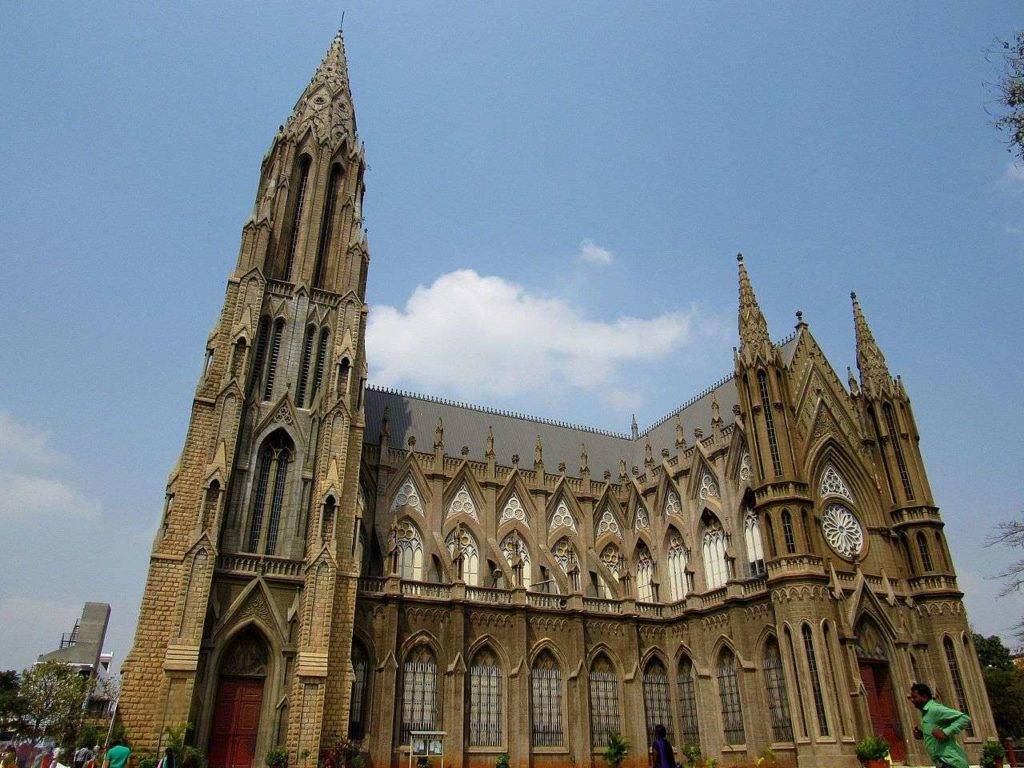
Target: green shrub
point(503, 761)
point(872, 748)
point(277, 758)
point(616, 750)
point(992, 754)
point(690, 753)
point(146, 760)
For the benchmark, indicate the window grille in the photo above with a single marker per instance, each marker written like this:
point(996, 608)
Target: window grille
point(775, 685)
point(732, 708)
point(796, 679)
point(462, 504)
point(300, 201)
point(321, 361)
point(672, 504)
point(513, 511)
point(677, 567)
point(259, 497)
point(715, 569)
point(565, 554)
point(656, 698)
point(926, 555)
point(819, 699)
point(958, 682)
point(604, 702)
point(275, 352)
point(546, 690)
point(419, 693)
point(897, 447)
point(687, 703)
point(307, 354)
point(327, 225)
point(769, 420)
point(755, 548)
point(356, 714)
point(260, 355)
point(280, 482)
point(485, 708)
point(787, 532)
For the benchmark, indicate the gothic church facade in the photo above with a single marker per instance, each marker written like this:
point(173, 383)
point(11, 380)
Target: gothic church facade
point(764, 567)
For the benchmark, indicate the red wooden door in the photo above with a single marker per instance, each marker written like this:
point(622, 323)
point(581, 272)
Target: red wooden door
point(885, 718)
point(236, 723)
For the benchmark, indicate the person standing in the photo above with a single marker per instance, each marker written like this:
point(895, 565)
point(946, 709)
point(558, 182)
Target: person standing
point(939, 727)
point(82, 756)
point(117, 756)
point(664, 757)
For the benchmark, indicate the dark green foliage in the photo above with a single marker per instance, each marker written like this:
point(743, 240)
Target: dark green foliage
point(1004, 684)
point(616, 751)
point(1010, 93)
point(872, 748)
point(992, 754)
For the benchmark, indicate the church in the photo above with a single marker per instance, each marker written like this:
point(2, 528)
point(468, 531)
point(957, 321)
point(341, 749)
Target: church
point(764, 567)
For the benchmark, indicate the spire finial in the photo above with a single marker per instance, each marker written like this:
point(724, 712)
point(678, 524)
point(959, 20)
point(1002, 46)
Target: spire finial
point(326, 103)
point(634, 428)
point(874, 372)
point(754, 338)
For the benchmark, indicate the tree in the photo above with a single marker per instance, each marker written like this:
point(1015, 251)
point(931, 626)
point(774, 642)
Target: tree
point(53, 694)
point(1004, 684)
point(10, 702)
point(1010, 93)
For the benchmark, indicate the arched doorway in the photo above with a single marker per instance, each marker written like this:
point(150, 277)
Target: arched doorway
point(873, 661)
point(236, 714)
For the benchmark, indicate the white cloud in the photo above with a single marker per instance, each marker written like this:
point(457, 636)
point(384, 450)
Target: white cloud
point(31, 627)
point(1014, 172)
point(592, 253)
point(476, 334)
point(30, 475)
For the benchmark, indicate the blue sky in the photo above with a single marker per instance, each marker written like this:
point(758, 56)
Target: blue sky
point(586, 170)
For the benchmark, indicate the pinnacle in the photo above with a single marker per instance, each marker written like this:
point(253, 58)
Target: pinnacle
point(752, 325)
point(874, 371)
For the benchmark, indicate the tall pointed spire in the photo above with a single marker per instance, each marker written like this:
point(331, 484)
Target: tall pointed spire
point(874, 373)
point(325, 106)
point(754, 338)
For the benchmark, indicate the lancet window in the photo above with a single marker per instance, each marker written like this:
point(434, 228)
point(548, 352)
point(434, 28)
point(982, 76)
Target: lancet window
point(296, 215)
point(462, 548)
point(408, 548)
point(517, 555)
point(897, 447)
point(546, 700)
point(812, 664)
point(485, 701)
point(677, 560)
point(752, 538)
point(729, 695)
point(360, 680)
point(327, 225)
point(419, 693)
point(787, 532)
point(769, 420)
point(268, 493)
point(656, 699)
point(321, 362)
point(716, 571)
point(644, 575)
point(604, 701)
point(274, 354)
point(686, 685)
point(958, 682)
point(924, 551)
point(775, 686)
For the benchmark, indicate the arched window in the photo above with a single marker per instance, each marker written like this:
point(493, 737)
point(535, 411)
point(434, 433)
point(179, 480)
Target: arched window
point(321, 362)
point(238, 358)
point(295, 219)
point(260, 356)
point(770, 529)
point(958, 681)
point(485, 710)
point(517, 554)
point(546, 699)
point(210, 504)
point(644, 575)
point(360, 685)
point(604, 701)
point(327, 521)
point(462, 548)
point(713, 548)
point(775, 685)
point(787, 532)
point(940, 549)
point(565, 554)
point(677, 559)
point(769, 420)
point(905, 545)
point(812, 663)
point(344, 367)
point(275, 353)
point(922, 548)
point(409, 551)
point(327, 225)
point(830, 651)
point(796, 678)
point(612, 559)
point(752, 537)
point(271, 482)
point(686, 684)
point(419, 693)
point(304, 363)
point(729, 693)
point(656, 698)
point(897, 447)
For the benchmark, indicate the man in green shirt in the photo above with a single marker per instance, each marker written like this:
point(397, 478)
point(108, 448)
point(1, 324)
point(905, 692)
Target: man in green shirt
point(117, 755)
point(939, 727)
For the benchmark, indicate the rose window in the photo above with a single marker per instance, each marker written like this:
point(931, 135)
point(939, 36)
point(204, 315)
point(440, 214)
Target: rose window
point(842, 531)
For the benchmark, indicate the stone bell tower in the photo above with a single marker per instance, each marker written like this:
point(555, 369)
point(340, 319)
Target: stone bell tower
point(252, 576)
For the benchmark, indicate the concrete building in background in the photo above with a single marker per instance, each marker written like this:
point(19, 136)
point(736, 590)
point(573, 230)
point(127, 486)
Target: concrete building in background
point(82, 648)
point(764, 567)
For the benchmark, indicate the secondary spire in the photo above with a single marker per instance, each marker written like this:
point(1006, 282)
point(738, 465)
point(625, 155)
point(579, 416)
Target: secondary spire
point(754, 338)
point(874, 372)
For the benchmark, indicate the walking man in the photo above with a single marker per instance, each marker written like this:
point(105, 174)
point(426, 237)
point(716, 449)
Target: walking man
point(939, 727)
point(663, 755)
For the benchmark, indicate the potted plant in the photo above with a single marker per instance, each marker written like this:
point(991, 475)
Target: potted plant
point(277, 758)
point(872, 751)
point(503, 761)
point(690, 753)
point(616, 750)
point(992, 754)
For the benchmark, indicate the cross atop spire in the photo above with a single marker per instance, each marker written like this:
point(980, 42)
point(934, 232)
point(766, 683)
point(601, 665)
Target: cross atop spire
point(325, 105)
point(754, 338)
point(874, 373)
